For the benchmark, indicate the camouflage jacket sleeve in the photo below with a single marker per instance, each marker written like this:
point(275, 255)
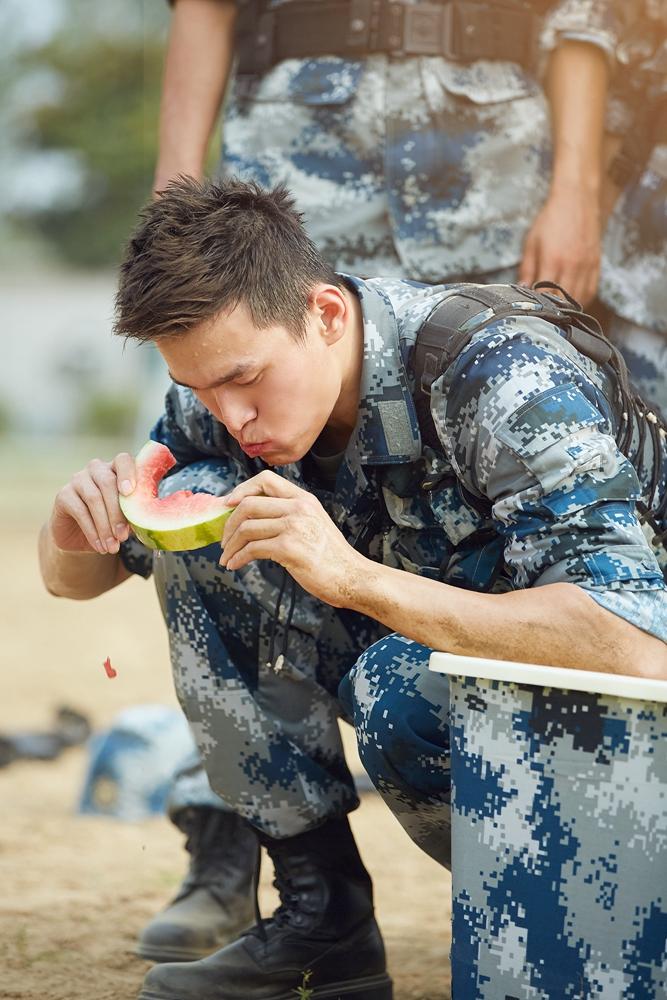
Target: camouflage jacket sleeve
point(594, 21)
point(526, 427)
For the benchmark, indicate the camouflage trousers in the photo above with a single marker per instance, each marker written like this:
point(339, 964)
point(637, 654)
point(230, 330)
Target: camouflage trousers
point(645, 353)
point(559, 833)
point(269, 738)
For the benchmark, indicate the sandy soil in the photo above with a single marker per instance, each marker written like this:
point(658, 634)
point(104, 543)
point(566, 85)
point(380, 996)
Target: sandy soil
point(75, 890)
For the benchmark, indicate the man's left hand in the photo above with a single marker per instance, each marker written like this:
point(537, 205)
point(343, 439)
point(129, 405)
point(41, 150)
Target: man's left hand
point(274, 519)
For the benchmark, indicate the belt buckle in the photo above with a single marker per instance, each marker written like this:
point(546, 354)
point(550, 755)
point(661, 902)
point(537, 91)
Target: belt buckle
point(424, 28)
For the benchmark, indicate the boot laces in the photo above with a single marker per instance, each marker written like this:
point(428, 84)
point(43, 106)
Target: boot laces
point(290, 910)
point(291, 906)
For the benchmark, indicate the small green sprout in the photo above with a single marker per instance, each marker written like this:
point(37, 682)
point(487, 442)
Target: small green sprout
point(305, 992)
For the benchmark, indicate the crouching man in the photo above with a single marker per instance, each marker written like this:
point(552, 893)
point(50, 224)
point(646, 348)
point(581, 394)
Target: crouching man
point(497, 520)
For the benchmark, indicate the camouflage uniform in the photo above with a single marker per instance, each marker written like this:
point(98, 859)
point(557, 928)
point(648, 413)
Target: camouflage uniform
point(406, 166)
point(412, 166)
point(633, 283)
point(560, 882)
point(523, 421)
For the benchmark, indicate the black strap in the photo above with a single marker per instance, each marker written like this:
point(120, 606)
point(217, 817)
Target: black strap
point(450, 327)
point(461, 30)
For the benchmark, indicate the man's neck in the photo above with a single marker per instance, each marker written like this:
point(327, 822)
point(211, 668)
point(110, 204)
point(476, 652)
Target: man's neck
point(343, 419)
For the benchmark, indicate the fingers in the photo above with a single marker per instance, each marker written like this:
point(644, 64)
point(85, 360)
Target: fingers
point(259, 520)
point(245, 544)
point(98, 488)
point(89, 502)
point(254, 507)
point(266, 483)
point(69, 507)
point(589, 285)
point(529, 267)
point(126, 473)
point(579, 279)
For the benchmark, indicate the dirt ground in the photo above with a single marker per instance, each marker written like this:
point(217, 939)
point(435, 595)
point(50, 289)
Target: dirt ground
point(75, 891)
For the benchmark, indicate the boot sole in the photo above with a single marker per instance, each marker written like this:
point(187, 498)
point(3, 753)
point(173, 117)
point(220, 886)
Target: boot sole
point(372, 988)
point(166, 953)
point(178, 954)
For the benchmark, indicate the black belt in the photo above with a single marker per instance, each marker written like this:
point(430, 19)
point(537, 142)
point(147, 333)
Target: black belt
point(461, 30)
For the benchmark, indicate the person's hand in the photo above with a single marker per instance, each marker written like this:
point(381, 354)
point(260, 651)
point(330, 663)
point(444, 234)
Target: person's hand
point(86, 515)
point(274, 519)
point(563, 245)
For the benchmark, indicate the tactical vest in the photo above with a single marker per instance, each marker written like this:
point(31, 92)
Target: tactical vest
point(449, 329)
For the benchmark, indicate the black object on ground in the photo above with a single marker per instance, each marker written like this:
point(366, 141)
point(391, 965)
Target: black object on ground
point(70, 729)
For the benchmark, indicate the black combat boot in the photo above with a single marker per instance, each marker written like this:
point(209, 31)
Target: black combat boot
point(216, 900)
point(322, 941)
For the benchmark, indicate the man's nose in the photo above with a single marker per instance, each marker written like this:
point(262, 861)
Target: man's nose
point(234, 411)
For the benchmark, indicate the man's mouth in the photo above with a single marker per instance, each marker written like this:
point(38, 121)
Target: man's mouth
point(256, 449)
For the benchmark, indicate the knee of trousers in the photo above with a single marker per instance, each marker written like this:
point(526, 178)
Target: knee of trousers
point(400, 713)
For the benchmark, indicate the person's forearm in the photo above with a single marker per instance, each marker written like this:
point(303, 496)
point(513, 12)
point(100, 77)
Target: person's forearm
point(197, 66)
point(577, 90)
point(78, 575)
point(557, 625)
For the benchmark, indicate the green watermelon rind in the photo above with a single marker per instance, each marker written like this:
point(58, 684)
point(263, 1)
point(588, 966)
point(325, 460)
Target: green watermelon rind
point(194, 536)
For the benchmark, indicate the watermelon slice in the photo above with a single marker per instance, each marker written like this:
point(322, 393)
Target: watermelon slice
point(184, 520)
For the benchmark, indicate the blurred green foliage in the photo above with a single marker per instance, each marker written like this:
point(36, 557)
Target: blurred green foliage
point(105, 111)
point(107, 414)
point(5, 419)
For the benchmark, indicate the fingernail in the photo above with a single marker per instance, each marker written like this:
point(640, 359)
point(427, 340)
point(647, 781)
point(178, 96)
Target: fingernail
point(112, 545)
point(126, 487)
point(121, 532)
point(100, 548)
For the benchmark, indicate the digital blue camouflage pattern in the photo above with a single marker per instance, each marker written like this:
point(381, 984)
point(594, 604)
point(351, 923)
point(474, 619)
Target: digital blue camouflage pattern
point(633, 281)
point(645, 353)
point(547, 805)
point(412, 166)
point(522, 420)
point(559, 843)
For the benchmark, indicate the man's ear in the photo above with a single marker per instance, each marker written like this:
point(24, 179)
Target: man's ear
point(328, 305)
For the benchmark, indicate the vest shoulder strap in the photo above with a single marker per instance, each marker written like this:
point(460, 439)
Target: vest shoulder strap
point(452, 324)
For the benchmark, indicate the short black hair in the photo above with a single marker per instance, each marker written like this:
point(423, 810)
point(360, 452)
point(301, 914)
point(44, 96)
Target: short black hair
point(201, 247)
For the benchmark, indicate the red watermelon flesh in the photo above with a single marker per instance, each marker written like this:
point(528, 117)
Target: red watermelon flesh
point(182, 521)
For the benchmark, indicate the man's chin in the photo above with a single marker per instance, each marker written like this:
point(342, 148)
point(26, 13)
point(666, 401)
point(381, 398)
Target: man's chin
point(277, 458)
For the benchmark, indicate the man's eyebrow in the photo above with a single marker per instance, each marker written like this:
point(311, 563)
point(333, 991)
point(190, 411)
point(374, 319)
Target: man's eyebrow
point(234, 373)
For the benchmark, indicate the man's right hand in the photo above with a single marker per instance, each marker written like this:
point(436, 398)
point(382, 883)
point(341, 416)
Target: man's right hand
point(86, 515)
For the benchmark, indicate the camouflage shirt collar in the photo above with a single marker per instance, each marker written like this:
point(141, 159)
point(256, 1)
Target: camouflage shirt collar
point(387, 430)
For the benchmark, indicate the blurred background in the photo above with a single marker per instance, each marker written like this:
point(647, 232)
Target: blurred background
point(79, 117)
point(78, 120)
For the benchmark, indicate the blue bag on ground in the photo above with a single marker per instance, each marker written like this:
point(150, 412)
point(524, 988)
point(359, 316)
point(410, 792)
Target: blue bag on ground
point(132, 764)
